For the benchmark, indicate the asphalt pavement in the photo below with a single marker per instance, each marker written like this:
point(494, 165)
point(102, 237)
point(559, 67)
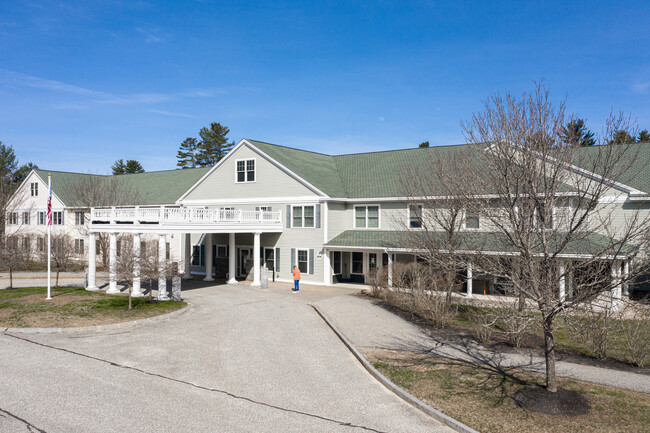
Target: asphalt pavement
point(241, 360)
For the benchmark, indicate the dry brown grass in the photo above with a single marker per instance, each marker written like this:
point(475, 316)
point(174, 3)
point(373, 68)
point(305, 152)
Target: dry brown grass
point(482, 398)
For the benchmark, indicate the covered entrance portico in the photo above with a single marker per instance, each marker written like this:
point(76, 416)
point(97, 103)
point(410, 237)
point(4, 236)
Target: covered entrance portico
point(162, 221)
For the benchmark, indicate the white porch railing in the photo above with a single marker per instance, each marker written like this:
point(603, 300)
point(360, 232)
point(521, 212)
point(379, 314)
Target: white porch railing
point(183, 215)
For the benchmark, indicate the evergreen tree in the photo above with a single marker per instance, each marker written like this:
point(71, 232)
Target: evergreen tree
point(23, 171)
point(644, 136)
point(576, 133)
point(424, 144)
point(213, 145)
point(8, 160)
point(187, 154)
point(129, 167)
point(621, 137)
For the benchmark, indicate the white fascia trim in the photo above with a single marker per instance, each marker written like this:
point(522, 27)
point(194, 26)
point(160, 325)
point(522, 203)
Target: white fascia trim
point(285, 169)
point(253, 201)
point(468, 252)
point(430, 198)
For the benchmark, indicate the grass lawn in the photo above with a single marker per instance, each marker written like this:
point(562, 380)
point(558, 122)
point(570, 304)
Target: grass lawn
point(73, 307)
point(482, 398)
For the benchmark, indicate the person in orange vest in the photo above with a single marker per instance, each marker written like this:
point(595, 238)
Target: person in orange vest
point(296, 279)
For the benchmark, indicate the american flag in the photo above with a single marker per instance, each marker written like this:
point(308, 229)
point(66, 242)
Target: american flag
point(49, 208)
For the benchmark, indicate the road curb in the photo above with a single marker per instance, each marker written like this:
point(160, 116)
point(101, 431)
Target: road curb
point(436, 414)
point(111, 326)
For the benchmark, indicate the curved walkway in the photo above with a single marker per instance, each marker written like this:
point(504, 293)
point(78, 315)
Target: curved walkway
point(368, 325)
point(242, 360)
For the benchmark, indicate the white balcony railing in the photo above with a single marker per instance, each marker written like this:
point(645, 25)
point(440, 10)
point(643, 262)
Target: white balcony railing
point(181, 216)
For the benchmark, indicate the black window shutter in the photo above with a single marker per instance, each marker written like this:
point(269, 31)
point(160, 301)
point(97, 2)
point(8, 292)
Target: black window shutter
point(311, 262)
point(293, 258)
point(288, 216)
point(277, 260)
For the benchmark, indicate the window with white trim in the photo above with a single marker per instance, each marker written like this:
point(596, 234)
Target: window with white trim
point(41, 218)
point(415, 216)
point(12, 218)
point(79, 218)
point(57, 218)
point(40, 244)
point(27, 244)
point(303, 216)
point(26, 218)
point(472, 220)
point(245, 170)
point(222, 251)
point(366, 217)
point(79, 246)
point(302, 258)
point(34, 189)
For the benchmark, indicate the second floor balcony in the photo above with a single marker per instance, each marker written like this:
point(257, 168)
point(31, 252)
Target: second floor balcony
point(183, 219)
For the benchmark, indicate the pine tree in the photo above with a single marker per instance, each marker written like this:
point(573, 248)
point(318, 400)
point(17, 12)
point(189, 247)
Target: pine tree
point(213, 145)
point(576, 133)
point(129, 167)
point(424, 144)
point(187, 154)
point(644, 136)
point(621, 137)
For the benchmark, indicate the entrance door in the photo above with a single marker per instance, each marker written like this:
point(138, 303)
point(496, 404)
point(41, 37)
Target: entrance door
point(244, 256)
point(269, 262)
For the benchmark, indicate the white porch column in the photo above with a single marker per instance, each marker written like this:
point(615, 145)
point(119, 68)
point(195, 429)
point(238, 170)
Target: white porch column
point(256, 260)
point(327, 269)
point(390, 270)
point(136, 266)
point(162, 265)
point(92, 261)
point(232, 254)
point(616, 284)
point(208, 257)
point(562, 284)
point(112, 264)
point(470, 282)
point(188, 256)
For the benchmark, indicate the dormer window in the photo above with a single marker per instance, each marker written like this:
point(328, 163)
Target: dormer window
point(245, 170)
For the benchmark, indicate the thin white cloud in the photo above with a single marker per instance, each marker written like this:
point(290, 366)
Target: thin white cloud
point(168, 113)
point(149, 36)
point(381, 118)
point(641, 87)
point(16, 80)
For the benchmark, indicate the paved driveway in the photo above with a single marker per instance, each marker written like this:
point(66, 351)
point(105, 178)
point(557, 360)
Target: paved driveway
point(241, 360)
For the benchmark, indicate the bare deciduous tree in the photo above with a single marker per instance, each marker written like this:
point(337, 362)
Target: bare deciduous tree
point(546, 215)
point(91, 190)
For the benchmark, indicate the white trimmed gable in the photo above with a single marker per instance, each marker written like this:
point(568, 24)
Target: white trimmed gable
point(220, 184)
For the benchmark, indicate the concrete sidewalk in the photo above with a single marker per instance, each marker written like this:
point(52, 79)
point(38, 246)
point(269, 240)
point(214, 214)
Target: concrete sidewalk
point(368, 325)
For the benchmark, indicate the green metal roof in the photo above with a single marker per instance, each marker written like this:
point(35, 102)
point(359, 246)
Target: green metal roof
point(590, 243)
point(373, 174)
point(152, 188)
point(635, 157)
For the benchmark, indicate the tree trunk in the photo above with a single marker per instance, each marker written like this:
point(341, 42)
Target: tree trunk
point(57, 278)
point(11, 277)
point(549, 353)
point(130, 304)
point(150, 290)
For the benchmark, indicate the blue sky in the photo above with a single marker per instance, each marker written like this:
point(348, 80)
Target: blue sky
point(85, 83)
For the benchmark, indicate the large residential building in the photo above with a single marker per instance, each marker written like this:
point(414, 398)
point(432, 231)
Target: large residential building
point(337, 218)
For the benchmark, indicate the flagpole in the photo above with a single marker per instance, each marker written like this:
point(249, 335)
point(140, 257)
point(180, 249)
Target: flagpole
point(49, 238)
